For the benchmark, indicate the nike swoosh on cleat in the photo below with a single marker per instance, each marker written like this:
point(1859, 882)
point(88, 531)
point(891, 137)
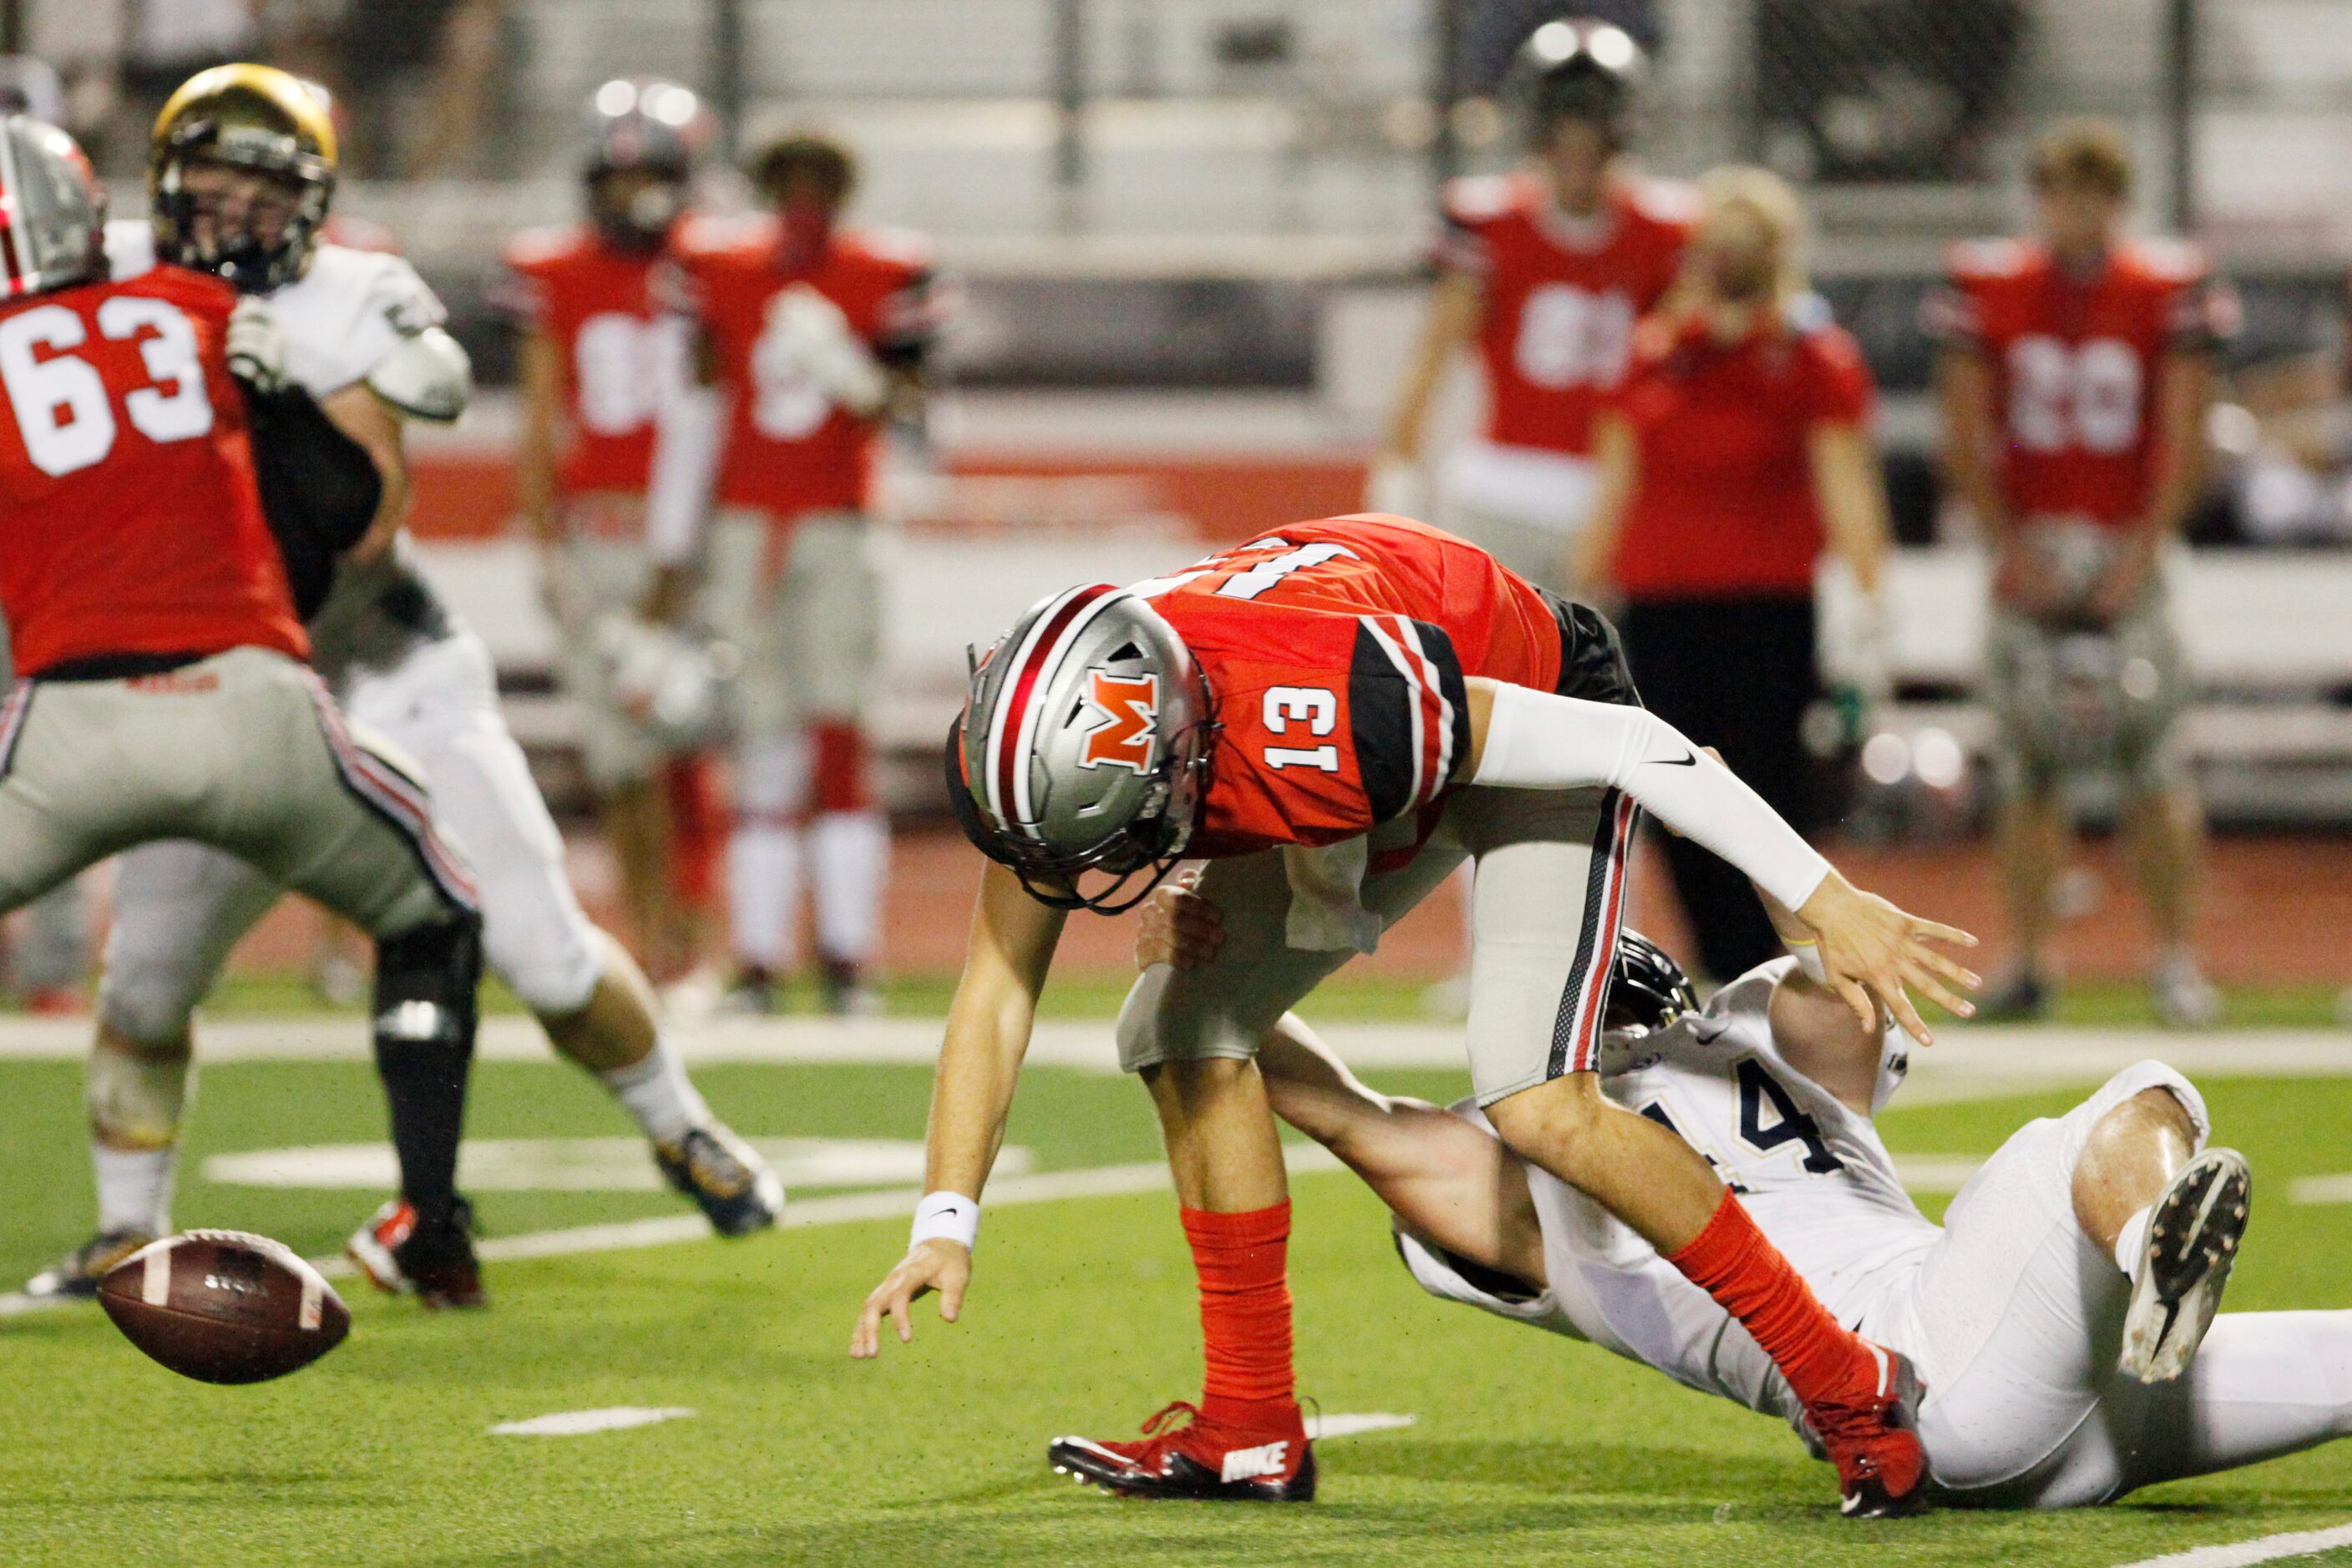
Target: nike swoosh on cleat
point(1849, 1502)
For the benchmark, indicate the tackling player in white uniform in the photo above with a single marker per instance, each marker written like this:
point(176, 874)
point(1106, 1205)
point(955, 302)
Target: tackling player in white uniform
point(363, 333)
point(2062, 1316)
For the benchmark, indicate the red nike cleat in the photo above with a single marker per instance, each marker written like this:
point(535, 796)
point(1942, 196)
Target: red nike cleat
point(1203, 1458)
point(1881, 1469)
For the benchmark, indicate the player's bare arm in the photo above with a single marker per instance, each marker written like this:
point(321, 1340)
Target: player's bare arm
point(1457, 304)
point(2184, 394)
point(1852, 499)
point(1617, 461)
point(1874, 954)
point(1966, 397)
point(541, 374)
point(1012, 940)
point(364, 416)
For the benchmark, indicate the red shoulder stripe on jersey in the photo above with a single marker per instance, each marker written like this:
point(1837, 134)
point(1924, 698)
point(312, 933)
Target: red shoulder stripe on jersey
point(1431, 713)
point(1014, 727)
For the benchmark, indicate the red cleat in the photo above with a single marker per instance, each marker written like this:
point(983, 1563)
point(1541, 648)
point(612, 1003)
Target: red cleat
point(1202, 1458)
point(1875, 1442)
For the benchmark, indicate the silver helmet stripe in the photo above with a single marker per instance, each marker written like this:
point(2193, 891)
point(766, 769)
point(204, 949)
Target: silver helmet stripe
point(1012, 728)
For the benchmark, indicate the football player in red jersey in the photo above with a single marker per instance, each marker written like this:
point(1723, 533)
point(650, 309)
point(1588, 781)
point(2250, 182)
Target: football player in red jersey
point(2076, 376)
point(1336, 718)
point(161, 688)
point(600, 354)
point(243, 170)
point(812, 336)
point(1544, 271)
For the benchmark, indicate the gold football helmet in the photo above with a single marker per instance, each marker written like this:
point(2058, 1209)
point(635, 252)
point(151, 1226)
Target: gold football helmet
point(221, 129)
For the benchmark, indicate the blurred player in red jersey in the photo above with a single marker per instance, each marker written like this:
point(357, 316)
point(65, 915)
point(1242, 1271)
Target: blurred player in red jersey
point(161, 689)
point(2075, 377)
point(242, 173)
point(1336, 718)
point(601, 355)
point(1546, 271)
point(1737, 452)
point(812, 336)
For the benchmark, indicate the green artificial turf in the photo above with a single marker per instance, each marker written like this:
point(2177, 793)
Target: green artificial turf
point(1527, 1449)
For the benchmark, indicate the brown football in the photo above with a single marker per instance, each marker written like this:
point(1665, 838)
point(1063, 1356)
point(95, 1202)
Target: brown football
point(223, 1306)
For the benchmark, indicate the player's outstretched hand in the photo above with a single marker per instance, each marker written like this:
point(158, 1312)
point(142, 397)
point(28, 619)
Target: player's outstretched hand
point(1876, 953)
point(1180, 928)
point(935, 1265)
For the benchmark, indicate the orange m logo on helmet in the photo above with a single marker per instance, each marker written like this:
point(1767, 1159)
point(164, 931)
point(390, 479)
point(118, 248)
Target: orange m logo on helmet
point(1129, 706)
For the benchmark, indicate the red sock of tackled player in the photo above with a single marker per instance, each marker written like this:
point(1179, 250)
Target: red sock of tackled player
point(1731, 1261)
point(1243, 1261)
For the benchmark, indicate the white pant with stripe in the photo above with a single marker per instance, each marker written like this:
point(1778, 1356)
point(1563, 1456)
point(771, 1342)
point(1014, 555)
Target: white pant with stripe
point(242, 752)
point(180, 907)
point(1545, 905)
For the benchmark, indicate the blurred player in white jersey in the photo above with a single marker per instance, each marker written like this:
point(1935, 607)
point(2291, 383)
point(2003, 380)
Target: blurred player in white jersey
point(241, 172)
point(812, 337)
point(2063, 1317)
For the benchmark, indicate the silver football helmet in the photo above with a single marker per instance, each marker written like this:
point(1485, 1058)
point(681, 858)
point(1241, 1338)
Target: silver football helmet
point(1577, 69)
point(648, 127)
point(1084, 747)
point(52, 210)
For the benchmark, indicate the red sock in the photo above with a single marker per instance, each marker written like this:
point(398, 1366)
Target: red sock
point(1243, 1261)
point(1732, 1261)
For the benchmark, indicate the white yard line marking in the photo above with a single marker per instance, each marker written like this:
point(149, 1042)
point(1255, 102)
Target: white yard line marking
point(2321, 1189)
point(1323, 1428)
point(1967, 1056)
point(849, 1208)
point(579, 1423)
point(2263, 1549)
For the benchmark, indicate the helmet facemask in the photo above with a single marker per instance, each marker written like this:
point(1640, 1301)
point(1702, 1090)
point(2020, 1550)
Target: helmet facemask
point(238, 191)
point(1092, 759)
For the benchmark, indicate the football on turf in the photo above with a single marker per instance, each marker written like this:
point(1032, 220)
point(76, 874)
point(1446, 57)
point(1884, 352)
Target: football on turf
point(223, 1306)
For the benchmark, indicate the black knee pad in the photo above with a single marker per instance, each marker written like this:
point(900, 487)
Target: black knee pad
point(427, 981)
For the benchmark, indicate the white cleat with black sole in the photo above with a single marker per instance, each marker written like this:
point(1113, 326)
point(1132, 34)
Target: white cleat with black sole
point(2192, 1240)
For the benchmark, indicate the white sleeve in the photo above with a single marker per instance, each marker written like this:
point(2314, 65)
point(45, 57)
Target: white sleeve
point(686, 463)
point(1537, 741)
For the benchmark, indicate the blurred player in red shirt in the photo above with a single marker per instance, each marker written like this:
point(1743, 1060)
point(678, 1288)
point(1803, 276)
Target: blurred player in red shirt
point(1544, 271)
point(1738, 446)
point(158, 474)
point(812, 336)
point(601, 354)
point(2077, 373)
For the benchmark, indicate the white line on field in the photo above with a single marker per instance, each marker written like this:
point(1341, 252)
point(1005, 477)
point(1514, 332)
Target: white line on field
point(580, 1422)
point(2263, 1549)
point(897, 1202)
point(1323, 1428)
point(2321, 1189)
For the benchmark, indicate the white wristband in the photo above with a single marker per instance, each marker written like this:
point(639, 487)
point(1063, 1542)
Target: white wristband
point(1808, 955)
point(946, 1216)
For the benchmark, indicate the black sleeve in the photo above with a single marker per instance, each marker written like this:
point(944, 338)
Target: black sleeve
point(320, 488)
point(1407, 713)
